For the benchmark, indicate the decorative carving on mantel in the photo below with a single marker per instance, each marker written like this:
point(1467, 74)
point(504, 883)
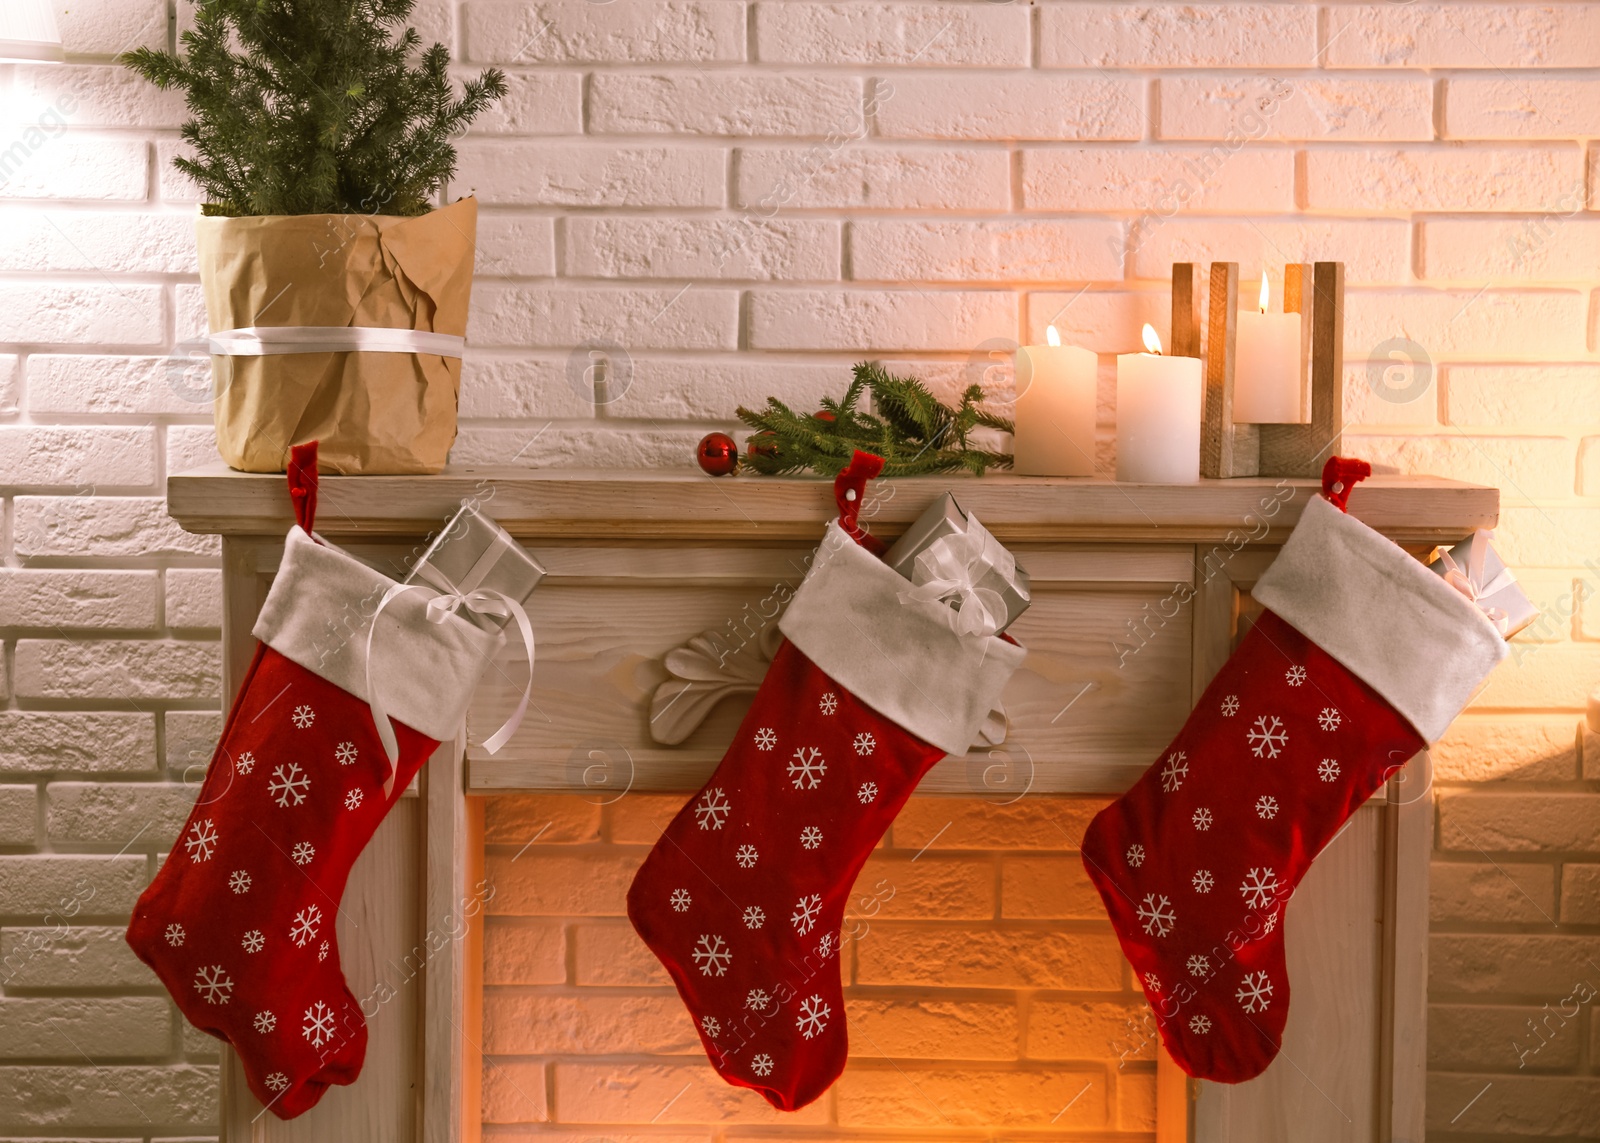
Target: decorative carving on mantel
point(703, 672)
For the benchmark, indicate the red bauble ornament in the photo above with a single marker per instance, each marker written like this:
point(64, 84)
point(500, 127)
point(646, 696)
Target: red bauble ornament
point(763, 443)
point(717, 454)
point(824, 415)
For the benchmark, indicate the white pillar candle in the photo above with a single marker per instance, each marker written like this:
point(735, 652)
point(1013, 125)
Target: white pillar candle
point(1054, 415)
point(1159, 401)
point(1266, 367)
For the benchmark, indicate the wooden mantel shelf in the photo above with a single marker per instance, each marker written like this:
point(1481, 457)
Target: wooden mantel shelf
point(1136, 591)
point(654, 503)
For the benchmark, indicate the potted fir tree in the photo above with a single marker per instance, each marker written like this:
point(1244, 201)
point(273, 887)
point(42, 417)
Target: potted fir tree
point(337, 296)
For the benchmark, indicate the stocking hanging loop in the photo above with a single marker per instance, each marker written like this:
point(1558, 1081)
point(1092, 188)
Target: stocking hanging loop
point(1340, 475)
point(303, 484)
point(849, 490)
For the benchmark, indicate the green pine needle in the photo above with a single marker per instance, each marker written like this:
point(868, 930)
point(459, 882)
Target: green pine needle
point(316, 107)
point(911, 430)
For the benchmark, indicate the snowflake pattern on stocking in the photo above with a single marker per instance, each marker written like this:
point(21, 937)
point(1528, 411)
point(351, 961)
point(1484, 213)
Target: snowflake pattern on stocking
point(766, 738)
point(202, 840)
point(303, 716)
point(239, 881)
point(303, 852)
point(761, 1065)
point(711, 1026)
point(265, 1021)
point(213, 985)
point(680, 900)
point(813, 1018)
point(756, 999)
point(253, 941)
point(1199, 965)
point(1230, 706)
point(353, 799)
point(868, 793)
point(712, 955)
point(245, 763)
point(807, 767)
point(1255, 992)
point(811, 837)
point(1259, 886)
point(1175, 771)
point(304, 928)
point(1328, 770)
point(345, 753)
point(1135, 855)
point(289, 784)
point(1295, 676)
point(1201, 819)
point(318, 1026)
point(277, 1081)
point(828, 703)
point(322, 951)
point(1199, 1025)
point(1329, 719)
point(865, 743)
point(175, 934)
point(1157, 916)
point(754, 917)
point(827, 946)
point(1202, 881)
point(806, 911)
point(1152, 982)
point(746, 856)
point(1267, 736)
point(711, 812)
point(1266, 807)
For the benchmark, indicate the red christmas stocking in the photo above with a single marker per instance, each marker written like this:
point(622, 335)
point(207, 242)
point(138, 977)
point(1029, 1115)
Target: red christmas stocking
point(743, 896)
point(1362, 658)
point(239, 923)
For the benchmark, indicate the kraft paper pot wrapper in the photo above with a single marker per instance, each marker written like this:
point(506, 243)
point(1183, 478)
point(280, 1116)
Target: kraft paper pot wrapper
point(372, 412)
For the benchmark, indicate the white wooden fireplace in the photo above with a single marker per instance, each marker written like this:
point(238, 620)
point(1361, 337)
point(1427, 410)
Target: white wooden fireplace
point(1140, 591)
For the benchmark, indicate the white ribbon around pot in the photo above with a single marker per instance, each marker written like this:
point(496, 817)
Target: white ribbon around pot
point(262, 341)
point(468, 595)
point(949, 572)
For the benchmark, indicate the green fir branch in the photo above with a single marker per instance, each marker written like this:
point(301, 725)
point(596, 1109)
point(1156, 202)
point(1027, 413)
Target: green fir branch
point(911, 429)
point(316, 107)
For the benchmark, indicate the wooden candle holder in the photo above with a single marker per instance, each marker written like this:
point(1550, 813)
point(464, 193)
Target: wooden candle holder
point(1228, 448)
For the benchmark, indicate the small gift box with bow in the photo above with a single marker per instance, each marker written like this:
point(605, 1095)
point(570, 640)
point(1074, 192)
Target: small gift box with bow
point(949, 556)
point(474, 557)
point(1476, 570)
point(480, 574)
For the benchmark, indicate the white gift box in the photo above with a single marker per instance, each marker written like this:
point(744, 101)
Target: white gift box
point(473, 553)
point(993, 568)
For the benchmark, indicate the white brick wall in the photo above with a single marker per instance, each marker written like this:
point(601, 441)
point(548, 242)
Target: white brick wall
point(748, 195)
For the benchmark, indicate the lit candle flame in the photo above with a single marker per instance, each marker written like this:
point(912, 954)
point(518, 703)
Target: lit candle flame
point(1152, 343)
point(1051, 335)
point(1264, 294)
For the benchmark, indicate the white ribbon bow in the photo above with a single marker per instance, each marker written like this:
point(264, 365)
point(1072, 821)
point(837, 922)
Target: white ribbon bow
point(1469, 580)
point(949, 571)
point(451, 596)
